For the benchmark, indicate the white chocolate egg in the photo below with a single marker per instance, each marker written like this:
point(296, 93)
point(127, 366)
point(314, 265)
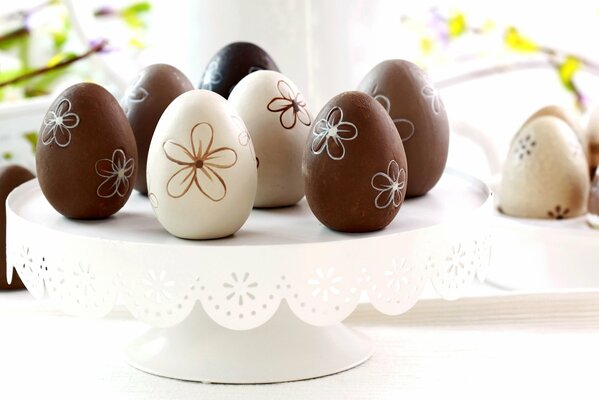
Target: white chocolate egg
point(201, 169)
point(278, 120)
point(546, 172)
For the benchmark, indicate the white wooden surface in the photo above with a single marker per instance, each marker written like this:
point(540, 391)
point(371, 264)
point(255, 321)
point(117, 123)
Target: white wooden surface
point(519, 346)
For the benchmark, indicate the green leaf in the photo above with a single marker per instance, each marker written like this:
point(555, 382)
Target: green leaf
point(31, 138)
point(515, 41)
point(567, 70)
point(132, 15)
point(7, 155)
point(41, 85)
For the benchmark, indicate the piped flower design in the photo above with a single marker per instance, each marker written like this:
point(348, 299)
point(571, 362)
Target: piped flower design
point(199, 164)
point(433, 94)
point(134, 94)
point(389, 185)
point(330, 133)
point(404, 126)
point(58, 125)
point(244, 135)
point(290, 105)
point(559, 212)
point(524, 147)
point(116, 172)
point(211, 76)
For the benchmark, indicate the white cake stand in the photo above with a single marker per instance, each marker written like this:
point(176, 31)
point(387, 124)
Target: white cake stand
point(264, 305)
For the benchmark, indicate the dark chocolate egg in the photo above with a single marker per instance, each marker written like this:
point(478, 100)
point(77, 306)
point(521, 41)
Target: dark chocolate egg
point(231, 64)
point(11, 176)
point(354, 166)
point(419, 115)
point(144, 102)
point(86, 154)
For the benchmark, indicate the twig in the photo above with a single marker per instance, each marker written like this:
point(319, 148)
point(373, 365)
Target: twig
point(22, 31)
point(490, 71)
point(96, 48)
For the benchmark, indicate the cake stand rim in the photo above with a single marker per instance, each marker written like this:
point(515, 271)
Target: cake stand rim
point(485, 203)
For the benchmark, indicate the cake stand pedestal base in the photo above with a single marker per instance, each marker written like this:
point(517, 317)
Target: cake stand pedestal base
point(283, 349)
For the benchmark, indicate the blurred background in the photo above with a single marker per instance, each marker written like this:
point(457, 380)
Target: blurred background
point(494, 64)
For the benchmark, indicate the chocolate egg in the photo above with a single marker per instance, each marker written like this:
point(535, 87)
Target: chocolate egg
point(201, 168)
point(354, 165)
point(418, 113)
point(593, 209)
point(11, 176)
point(278, 121)
point(592, 134)
point(86, 153)
point(231, 64)
point(546, 173)
point(155, 87)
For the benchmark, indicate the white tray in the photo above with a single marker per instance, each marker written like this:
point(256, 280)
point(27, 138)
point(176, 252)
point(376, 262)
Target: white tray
point(240, 281)
point(543, 255)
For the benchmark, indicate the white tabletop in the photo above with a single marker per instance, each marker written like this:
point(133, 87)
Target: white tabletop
point(478, 347)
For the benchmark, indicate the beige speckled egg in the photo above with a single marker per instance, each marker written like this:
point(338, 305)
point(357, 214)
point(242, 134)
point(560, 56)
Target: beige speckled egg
point(201, 168)
point(545, 174)
point(278, 120)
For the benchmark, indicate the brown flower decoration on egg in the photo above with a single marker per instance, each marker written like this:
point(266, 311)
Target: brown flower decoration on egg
point(292, 106)
point(199, 164)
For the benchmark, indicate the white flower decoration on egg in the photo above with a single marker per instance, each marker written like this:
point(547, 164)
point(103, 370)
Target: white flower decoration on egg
point(57, 127)
point(116, 172)
point(331, 132)
point(389, 185)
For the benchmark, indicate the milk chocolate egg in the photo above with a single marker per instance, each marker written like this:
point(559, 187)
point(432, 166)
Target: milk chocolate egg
point(231, 64)
point(11, 176)
point(545, 174)
point(354, 165)
point(201, 168)
point(155, 87)
point(593, 209)
point(86, 153)
point(592, 133)
point(278, 120)
point(418, 113)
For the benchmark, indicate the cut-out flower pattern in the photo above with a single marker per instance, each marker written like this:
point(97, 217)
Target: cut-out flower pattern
point(330, 133)
point(158, 287)
point(199, 164)
point(85, 279)
point(558, 212)
point(455, 260)
point(58, 125)
point(524, 147)
point(211, 76)
point(404, 126)
point(397, 280)
point(240, 288)
point(325, 284)
point(116, 172)
point(389, 185)
point(290, 105)
point(433, 94)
